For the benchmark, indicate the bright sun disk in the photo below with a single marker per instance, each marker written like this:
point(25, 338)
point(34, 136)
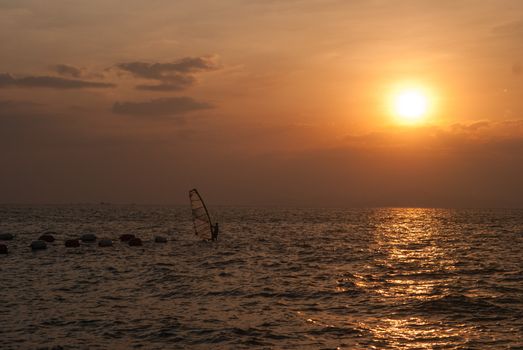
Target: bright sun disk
point(410, 106)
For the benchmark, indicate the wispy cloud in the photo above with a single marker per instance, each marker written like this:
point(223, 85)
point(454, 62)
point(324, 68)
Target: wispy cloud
point(503, 137)
point(179, 82)
point(68, 70)
point(7, 80)
point(160, 107)
point(7, 105)
point(176, 75)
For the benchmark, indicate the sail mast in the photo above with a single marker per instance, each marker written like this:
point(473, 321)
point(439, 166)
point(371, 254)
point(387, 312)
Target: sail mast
point(201, 219)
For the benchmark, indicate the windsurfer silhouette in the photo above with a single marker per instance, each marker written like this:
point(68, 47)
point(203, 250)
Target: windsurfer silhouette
point(215, 231)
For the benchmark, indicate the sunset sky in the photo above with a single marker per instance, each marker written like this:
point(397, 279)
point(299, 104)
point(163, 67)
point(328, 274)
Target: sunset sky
point(261, 102)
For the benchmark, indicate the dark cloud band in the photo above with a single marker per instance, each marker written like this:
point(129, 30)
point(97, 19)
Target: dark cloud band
point(68, 70)
point(164, 71)
point(160, 107)
point(6, 80)
point(171, 76)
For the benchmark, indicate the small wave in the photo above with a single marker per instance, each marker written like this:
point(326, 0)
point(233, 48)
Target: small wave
point(229, 293)
point(459, 304)
point(250, 336)
point(334, 331)
point(513, 277)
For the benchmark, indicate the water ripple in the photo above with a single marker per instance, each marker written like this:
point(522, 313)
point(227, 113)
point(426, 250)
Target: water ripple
point(278, 278)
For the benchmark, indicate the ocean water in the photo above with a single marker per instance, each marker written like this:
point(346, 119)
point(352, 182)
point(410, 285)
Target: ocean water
point(278, 278)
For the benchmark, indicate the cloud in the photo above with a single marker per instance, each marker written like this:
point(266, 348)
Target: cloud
point(175, 83)
point(517, 68)
point(163, 87)
point(510, 29)
point(8, 105)
point(472, 127)
point(160, 107)
point(490, 137)
point(172, 76)
point(67, 70)
point(163, 71)
point(7, 80)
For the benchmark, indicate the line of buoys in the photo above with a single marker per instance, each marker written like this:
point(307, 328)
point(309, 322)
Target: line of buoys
point(47, 237)
point(38, 245)
point(6, 236)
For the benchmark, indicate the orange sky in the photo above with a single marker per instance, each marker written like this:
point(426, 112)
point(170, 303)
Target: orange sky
point(260, 102)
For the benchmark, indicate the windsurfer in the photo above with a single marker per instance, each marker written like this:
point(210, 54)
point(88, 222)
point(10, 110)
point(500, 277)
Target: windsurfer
point(215, 231)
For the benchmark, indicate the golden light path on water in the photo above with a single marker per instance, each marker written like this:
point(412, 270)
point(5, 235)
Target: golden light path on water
point(414, 269)
point(418, 268)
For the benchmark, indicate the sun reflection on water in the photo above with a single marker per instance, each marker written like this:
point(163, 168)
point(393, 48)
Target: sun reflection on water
point(415, 333)
point(412, 265)
point(412, 259)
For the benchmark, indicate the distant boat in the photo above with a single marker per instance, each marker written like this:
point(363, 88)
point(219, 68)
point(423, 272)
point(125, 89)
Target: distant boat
point(200, 216)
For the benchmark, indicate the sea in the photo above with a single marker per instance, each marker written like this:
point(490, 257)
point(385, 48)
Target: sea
point(277, 278)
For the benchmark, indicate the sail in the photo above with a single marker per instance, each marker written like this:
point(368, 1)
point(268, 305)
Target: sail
point(200, 216)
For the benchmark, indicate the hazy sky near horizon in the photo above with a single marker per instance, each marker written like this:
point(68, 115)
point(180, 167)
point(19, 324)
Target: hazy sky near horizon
point(260, 102)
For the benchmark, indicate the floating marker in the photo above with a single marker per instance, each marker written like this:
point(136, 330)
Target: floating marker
point(6, 236)
point(160, 239)
point(47, 237)
point(135, 242)
point(88, 237)
point(38, 245)
point(126, 237)
point(72, 243)
point(105, 242)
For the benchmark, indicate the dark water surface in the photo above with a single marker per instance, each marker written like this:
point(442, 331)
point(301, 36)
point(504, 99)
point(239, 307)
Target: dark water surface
point(277, 279)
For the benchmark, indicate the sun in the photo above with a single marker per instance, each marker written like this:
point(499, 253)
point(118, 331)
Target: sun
point(410, 105)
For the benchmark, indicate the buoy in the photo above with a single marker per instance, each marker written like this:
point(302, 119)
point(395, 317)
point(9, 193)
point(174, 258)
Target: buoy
point(160, 239)
point(38, 245)
point(88, 237)
point(6, 236)
point(126, 237)
point(3, 249)
point(135, 242)
point(72, 243)
point(105, 242)
point(46, 237)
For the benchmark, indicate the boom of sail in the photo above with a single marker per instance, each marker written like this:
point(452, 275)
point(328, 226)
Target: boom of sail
point(200, 216)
